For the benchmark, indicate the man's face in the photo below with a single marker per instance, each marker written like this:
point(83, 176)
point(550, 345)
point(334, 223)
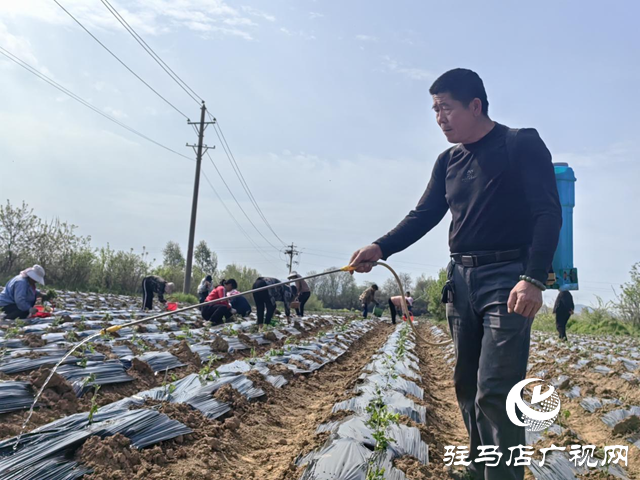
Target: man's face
point(456, 120)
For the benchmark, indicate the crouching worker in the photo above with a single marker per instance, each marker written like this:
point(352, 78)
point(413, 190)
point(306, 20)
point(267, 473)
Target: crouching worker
point(267, 299)
point(154, 284)
point(204, 288)
point(238, 302)
point(18, 298)
point(216, 312)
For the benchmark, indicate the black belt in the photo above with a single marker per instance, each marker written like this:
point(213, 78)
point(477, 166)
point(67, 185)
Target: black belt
point(468, 260)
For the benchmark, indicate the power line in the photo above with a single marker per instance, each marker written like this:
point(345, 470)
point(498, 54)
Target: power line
point(238, 203)
point(80, 100)
point(255, 246)
point(121, 62)
point(243, 182)
point(174, 76)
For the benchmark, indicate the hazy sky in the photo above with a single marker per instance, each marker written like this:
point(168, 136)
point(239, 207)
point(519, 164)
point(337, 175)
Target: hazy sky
point(326, 108)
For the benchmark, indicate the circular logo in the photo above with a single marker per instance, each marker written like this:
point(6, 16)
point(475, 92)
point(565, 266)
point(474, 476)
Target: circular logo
point(538, 414)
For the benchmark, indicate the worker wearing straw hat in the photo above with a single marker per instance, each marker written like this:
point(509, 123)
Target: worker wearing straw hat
point(18, 299)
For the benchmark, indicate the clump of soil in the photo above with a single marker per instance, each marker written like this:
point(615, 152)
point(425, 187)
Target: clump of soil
point(230, 395)
point(412, 468)
point(247, 340)
point(110, 458)
point(185, 355)
point(33, 340)
point(629, 425)
point(280, 369)
point(219, 344)
point(143, 373)
point(106, 351)
point(58, 393)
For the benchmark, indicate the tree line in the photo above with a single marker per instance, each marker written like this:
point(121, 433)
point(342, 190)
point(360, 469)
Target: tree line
point(72, 263)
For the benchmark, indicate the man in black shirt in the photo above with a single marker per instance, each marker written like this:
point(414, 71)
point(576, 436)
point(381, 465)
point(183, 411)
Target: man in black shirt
point(500, 187)
point(563, 308)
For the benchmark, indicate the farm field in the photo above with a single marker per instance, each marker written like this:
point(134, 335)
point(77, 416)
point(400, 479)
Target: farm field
point(324, 397)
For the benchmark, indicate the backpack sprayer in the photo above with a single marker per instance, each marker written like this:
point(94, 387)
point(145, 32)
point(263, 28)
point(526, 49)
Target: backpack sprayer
point(563, 275)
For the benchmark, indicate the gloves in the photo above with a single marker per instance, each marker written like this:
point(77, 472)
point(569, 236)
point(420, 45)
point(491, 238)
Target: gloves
point(234, 311)
point(33, 311)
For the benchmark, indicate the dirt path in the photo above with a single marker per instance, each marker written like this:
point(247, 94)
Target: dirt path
point(261, 440)
point(444, 424)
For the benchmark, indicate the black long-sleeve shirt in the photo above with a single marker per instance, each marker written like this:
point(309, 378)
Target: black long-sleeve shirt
point(497, 203)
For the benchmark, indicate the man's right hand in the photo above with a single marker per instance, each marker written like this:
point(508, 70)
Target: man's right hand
point(365, 257)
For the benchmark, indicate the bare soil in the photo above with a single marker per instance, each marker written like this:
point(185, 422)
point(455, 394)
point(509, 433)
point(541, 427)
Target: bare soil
point(258, 440)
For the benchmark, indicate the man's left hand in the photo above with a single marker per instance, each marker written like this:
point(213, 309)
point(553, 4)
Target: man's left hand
point(525, 299)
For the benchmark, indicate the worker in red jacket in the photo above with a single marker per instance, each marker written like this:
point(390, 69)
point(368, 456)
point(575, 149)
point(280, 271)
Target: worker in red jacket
point(215, 312)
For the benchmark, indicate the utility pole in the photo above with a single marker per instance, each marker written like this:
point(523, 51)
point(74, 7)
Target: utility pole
point(199, 149)
point(291, 251)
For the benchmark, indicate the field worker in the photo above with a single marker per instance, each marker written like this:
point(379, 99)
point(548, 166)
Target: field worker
point(238, 302)
point(499, 185)
point(18, 298)
point(206, 284)
point(409, 299)
point(563, 308)
point(266, 299)
point(155, 284)
point(368, 296)
point(216, 312)
point(301, 291)
point(395, 304)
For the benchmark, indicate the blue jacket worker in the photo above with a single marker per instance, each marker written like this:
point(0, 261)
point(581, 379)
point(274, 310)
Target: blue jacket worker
point(18, 298)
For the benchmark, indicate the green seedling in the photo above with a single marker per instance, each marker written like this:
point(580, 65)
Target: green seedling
point(380, 418)
point(71, 336)
point(169, 388)
point(207, 372)
point(375, 473)
point(107, 337)
point(12, 333)
point(20, 323)
point(94, 403)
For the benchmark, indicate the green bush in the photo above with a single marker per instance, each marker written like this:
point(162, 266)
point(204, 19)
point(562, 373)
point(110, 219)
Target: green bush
point(598, 320)
point(183, 299)
point(437, 309)
point(314, 304)
point(544, 322)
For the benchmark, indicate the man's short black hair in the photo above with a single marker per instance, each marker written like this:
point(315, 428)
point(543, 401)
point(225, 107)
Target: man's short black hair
point(463, 85)
point(374, 286)
point(233, 283)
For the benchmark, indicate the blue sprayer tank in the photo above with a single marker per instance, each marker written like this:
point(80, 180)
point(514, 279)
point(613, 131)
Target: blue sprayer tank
point(565, 276)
